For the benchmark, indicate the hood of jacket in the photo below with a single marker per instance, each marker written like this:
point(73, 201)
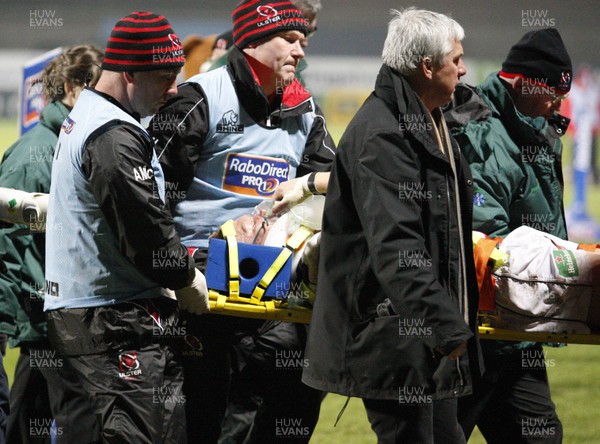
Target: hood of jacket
point(466, 105)
point(53, 115)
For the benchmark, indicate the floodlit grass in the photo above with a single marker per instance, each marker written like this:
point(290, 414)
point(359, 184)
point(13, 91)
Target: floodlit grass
point(9, 133)
point(573, 373)
point(573, 370)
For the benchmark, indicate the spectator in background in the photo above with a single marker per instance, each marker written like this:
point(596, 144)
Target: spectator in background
point(223, 42)
point(37, 393)
point(396, 247)
point(509, 130)
point(584, 101)
point(197, 50)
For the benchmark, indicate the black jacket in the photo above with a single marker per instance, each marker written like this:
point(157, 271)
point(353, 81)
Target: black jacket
point(387, 306)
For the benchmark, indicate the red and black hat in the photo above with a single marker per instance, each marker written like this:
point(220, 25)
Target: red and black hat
point(258, 19)
point(540, 56)
point(143, 41)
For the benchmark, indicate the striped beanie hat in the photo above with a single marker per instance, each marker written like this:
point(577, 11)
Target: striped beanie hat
point(143, 41)
point(258, 19)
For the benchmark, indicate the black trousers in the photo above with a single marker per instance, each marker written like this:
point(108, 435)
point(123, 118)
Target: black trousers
point(206, 365)
point(127, 367)
point(432, 422)
point(243, 381)
point(45, 389)
point(512, 403)
point(268, 401)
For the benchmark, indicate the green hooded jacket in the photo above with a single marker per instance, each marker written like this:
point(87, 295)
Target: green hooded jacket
point(516, 165)
point(26, 166)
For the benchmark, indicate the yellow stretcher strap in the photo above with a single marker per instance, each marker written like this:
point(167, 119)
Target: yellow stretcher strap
point(221, 300)
point(221, 305)
point(228, 231)
point(293, 243)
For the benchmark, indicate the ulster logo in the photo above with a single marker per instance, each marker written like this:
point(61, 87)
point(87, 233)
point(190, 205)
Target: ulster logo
point(269, 15)
point(267, 11)
point(193, 346)
point(565, 81)
point(129, 366)
point(175, 40)
point(229, 123)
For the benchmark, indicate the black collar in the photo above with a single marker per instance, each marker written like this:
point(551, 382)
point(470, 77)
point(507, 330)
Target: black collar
point(250, 93)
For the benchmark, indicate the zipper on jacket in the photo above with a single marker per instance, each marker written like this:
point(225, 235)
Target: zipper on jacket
point(461, 380)
point(281, 111)
point(462, 266)
point(448, 237)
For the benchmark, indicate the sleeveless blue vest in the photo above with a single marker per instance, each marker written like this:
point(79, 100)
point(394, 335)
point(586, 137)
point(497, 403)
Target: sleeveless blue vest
point(241, 162)
point(84, 266)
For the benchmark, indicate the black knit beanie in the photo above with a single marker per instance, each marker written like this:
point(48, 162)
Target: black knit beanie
point(540, 56)
point(255, 20)
point(143, 41)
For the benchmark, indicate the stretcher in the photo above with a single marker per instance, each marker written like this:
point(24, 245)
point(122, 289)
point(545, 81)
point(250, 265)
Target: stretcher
point(30, 208)
point(222, 303)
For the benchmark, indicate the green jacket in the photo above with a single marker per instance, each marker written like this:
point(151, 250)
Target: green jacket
point(516, 166)
point(515, 161)
point(26, 166)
